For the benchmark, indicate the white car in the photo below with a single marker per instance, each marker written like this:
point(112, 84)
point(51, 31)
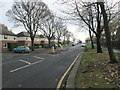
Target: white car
point(83, 45)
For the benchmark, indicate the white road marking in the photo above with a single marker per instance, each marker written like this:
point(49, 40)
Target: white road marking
point(19, 85)
point(19, 68)
point(36, 62)
point(38, 57)
point(25, 66)
point(25, 61)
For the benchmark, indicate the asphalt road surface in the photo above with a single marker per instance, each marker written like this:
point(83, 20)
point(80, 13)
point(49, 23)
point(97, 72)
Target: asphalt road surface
point(37, 70)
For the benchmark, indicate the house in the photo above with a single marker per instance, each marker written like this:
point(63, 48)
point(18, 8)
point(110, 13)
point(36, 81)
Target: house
point(24, 38)
point(6, 37)
point(9, 40)
point(43, 39)
point(88, 41)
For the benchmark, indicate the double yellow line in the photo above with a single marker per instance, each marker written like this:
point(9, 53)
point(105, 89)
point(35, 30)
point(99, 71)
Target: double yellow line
point(61, 80)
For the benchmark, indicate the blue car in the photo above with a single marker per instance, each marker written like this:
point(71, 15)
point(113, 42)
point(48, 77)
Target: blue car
point(22, 49)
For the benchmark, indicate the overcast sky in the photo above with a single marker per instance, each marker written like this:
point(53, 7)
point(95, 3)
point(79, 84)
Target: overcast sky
point(5, 5)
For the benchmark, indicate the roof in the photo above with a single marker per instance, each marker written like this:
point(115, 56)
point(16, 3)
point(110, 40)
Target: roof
point(4, 31)
point(53, 37)
point(42, 36)
point(23, 34)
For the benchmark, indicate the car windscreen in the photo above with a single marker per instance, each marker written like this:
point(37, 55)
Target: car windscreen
point(27, 47)
point(20, 47)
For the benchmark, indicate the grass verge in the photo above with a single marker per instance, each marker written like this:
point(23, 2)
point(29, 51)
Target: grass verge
point(95, 71)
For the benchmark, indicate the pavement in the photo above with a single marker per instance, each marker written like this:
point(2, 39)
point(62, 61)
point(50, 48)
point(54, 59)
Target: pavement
point(71, 78)
point(37, 69)
point(114, 50)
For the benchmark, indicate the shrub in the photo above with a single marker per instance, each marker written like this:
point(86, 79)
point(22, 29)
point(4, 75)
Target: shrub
point(13, 45)
point(115, 44)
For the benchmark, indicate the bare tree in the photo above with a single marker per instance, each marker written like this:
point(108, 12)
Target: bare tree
point(59, 27)
point(65, 31)
point(107, 33)
point(30, 15)
point(114, 25)
point(90, 14)
point(48, 28)
point(68, 35)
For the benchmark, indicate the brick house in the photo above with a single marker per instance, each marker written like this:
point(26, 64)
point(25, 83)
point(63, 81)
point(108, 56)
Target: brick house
point(6, 37)
point(24, 38)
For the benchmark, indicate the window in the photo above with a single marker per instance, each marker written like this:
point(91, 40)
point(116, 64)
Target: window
point(26, 38)
point(5, 37)
point(14, 38)
point(5, 45)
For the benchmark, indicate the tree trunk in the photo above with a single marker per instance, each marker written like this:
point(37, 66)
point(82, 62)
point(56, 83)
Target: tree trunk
point(32, 44)
point(58, 42)
point(64, 40)
point(99, 49)
point(107, 34)
point(49, 42)
point(92, 44)
point(98, 35)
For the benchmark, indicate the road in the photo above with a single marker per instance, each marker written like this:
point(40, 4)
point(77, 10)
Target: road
point(37, 70)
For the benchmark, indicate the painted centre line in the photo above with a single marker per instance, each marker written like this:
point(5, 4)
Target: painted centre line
point(38, 57)
point(25, 61)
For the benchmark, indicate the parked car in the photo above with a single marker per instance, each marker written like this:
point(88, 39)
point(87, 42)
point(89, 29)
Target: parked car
point(73, 44)
point(22, 49)
point(83, 45)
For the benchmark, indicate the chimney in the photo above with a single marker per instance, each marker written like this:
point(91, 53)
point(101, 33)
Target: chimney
point(10, 30)
point(4, 27)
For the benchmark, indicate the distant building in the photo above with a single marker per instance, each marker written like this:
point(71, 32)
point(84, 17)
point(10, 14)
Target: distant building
point(24, 38)
point(53, 39)
point(7, 37)
point(88, 41)
point(43, 39)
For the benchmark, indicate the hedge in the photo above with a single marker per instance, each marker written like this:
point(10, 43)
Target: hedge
point(13, 45)
point(115, 44)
